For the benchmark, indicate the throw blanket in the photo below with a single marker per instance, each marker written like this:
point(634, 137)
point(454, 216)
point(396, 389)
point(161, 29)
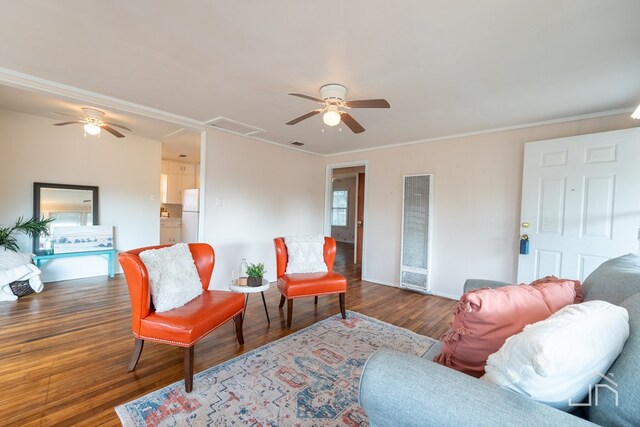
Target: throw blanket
point(23, 272)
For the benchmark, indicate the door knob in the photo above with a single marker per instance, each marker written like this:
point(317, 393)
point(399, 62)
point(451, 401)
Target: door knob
point(359, 223)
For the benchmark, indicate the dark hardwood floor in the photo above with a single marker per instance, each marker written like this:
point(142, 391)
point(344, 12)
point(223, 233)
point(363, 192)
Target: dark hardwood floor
point(65, 351)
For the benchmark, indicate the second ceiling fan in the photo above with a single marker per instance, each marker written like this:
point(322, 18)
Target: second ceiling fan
point(93, 121)
point(334, 99)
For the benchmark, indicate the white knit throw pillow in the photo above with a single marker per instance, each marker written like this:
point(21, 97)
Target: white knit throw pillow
point(306, 254)
point(556, 361)
point(173, 277)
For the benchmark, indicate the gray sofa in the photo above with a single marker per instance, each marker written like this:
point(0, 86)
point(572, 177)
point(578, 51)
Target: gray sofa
point(398, 389)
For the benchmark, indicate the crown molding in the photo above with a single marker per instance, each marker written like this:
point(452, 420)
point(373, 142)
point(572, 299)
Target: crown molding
point(488, 131)
point(36, 84)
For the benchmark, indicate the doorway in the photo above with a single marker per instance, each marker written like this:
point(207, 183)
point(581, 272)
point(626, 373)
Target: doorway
point(345, 216)
point(180, 183)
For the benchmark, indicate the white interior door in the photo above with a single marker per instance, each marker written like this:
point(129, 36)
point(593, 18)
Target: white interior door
point(581, 202)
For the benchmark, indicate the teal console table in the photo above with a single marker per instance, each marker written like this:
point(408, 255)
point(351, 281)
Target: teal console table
point(110, 254)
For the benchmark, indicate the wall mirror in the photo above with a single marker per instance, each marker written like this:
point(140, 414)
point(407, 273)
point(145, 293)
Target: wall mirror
point(70, 205)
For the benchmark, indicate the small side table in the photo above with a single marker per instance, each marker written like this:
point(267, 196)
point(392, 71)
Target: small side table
point(244, 289)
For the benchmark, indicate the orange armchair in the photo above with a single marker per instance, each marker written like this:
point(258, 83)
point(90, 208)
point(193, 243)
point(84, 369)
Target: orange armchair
point(182, 326)
point(300, 285)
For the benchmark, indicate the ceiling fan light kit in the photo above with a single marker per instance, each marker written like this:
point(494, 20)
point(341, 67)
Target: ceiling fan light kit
point(331, 117)
point(91, 129)
point(333, 97)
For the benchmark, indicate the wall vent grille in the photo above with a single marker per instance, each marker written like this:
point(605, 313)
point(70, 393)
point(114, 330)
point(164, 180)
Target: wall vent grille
point(415, 254)
point(234, 126)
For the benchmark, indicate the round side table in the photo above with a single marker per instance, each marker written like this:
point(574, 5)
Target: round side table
point(244, 289)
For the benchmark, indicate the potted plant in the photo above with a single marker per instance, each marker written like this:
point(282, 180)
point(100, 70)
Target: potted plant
point(32, 228)
point(255, 272)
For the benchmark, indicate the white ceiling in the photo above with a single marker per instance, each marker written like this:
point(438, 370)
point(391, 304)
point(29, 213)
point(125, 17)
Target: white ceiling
point(446, 66)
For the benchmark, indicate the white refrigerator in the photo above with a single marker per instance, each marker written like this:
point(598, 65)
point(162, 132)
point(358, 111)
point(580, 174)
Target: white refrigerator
point(190, 215)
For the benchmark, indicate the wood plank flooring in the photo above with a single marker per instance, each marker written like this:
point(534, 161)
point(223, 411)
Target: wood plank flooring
point(65, 351)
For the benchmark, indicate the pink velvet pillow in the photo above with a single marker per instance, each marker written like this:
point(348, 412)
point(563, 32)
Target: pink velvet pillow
point(485, 318)
point(553, 279)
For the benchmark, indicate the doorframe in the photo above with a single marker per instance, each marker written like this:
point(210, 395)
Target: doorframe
point(327, 203)
point(203, 184)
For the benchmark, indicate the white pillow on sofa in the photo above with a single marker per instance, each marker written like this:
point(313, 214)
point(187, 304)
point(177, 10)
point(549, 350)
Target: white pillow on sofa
point(173, 277)
point(305, 254)
point(555, 361)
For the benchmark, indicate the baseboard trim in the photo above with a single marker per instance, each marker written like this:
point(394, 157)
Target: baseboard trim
point(378, 282)
point(445, 295)
point(393, 285)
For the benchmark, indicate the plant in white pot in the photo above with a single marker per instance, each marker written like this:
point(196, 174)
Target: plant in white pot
point(255, 273)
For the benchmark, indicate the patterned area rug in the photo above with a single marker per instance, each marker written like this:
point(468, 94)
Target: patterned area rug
point(308, 378)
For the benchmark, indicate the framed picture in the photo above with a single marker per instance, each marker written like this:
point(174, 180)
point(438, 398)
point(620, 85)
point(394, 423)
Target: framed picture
point(82, 238)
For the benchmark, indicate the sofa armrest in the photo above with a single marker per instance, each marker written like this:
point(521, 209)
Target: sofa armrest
point(398, 390)
point(483, 283)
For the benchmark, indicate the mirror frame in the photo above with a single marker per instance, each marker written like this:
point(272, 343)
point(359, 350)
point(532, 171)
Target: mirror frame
point(37, 186)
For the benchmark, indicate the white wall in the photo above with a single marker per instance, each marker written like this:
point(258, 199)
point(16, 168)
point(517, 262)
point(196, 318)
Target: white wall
point(254, 192)
point(126, 171)
point(346, 234)
point(477, 191)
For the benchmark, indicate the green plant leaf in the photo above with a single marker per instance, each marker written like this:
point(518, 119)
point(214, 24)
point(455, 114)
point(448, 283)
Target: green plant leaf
point(32, 228)
point(256, 270)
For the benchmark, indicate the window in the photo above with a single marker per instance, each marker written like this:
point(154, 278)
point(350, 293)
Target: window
point(339, 204)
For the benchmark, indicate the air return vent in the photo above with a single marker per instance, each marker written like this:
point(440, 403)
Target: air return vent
point(234, 126)
point(415, 257)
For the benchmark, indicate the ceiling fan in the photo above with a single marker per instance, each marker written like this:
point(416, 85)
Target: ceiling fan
point(334, 99)
point(93, 121)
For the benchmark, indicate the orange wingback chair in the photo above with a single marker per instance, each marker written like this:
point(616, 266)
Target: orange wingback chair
point(182, 326)
point(300, 285)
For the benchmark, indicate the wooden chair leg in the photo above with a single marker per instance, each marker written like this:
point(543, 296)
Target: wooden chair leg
point(342, 308)
point(315, 301)
point(238, 321)
point(137, 351)
point(282, 298)
point(188, 369)
point(289, 312)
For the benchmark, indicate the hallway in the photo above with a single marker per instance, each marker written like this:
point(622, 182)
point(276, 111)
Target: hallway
point(344, 262)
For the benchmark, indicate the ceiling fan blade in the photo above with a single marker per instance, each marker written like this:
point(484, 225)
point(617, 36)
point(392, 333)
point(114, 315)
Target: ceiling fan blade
point(65, 114)
point(68, 123)
point(351, 122)
point(301, 95)
point(112, 131)
point(303, 117)
point(118, 126)
point(369, 103)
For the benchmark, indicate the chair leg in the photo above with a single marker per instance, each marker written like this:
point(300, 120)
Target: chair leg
point(289, 312)
point(238, 321)
point(316, 300)
point(137, 351)
point(342, 308)
point(188, 369)
point(282, 298)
